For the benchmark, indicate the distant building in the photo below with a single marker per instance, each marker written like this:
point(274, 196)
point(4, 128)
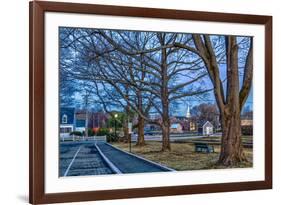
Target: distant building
point(247, 125)
point(188, 124)
point(80, 120)
point(98, 119)
point(184, 123)
point(72, 119)
point(205, 128)
point(152, 127)
point(176, 128)
point(95, 120)
point(67, 121)
point(246, 122)
point(192, 125)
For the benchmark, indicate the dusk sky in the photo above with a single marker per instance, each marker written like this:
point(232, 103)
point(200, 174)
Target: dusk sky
point(67, 55)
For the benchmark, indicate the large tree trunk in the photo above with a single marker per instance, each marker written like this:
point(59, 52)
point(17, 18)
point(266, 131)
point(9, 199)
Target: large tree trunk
point(230, 103)
point(165, 101)
point(165, 124)
point(126, 121)
point(231, 146)
point(166, 135)
point(140, 141)
point(231, 143)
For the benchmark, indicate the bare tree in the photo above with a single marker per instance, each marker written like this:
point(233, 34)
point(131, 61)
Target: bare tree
point(143, 68)
point(163, 67)
point(206, 111)
point(230, 101)
point(224, 50)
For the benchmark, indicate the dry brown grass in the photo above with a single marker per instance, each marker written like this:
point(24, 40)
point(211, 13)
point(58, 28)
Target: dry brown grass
point(182, 156)
point(245, 139)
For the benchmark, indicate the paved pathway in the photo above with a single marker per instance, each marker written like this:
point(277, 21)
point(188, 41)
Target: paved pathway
point(82, 159)
point(67, 151)
point(90, 158)
point(128, 163)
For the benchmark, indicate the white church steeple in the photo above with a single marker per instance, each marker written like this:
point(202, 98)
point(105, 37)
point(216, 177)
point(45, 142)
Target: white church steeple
point(188, 115)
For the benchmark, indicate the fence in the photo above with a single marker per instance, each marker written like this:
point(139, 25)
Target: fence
point(100, 138)
point(82, 138)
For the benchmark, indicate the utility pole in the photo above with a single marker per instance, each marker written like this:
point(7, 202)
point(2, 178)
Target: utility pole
point(130, 126)
point(86, 114)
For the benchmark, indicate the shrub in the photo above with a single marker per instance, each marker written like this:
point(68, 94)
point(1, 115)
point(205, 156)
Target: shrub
point(110, 137)
point(77, 133)
point(90, 132)
point(247, 130)
point(102, 132)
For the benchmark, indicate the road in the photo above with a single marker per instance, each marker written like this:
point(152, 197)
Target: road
point(91, 158)
point(87, 161)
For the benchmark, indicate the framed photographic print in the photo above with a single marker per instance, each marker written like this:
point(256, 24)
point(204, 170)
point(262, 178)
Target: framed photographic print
point(139, 102)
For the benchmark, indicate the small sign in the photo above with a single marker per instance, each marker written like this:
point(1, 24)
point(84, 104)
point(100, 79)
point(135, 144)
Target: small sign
point(130, 126)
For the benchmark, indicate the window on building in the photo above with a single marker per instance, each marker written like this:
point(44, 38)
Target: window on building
point(64, 119)
point(192, 126)
point(65, 129)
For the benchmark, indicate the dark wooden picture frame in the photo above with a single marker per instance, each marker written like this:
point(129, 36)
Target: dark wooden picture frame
point(37, 193)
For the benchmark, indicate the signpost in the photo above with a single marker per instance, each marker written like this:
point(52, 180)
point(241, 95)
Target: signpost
point(130, 126)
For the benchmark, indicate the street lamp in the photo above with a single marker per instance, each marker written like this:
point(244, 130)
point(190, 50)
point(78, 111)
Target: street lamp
point(115, 117)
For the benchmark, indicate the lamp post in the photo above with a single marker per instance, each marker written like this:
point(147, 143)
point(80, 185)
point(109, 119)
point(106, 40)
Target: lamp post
point(115, 117)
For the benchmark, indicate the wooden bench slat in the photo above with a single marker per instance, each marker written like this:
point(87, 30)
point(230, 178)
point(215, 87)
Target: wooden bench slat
point(201, 147)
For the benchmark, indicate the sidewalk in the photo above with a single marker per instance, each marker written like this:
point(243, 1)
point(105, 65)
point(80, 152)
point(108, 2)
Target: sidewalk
point(128, 163)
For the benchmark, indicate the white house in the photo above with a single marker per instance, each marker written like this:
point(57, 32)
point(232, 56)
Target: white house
point(66, 121)
point(205, 128)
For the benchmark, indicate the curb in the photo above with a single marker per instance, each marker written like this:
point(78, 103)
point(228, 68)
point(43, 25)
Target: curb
point(108, 162)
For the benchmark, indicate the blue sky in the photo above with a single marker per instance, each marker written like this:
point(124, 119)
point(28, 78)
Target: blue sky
point(183, 103)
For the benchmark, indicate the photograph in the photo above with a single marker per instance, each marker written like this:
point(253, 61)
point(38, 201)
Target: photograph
point(131, 102)
point(134, 101)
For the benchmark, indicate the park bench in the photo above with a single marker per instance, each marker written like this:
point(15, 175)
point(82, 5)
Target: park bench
point(203, 147)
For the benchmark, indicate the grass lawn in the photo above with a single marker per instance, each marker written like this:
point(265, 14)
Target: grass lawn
point(182, 156)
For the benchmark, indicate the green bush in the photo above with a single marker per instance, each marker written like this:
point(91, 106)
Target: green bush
point(110, 137)
point(102, 132)
point(247, 130)
point(90, 132)
point(77, 133)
